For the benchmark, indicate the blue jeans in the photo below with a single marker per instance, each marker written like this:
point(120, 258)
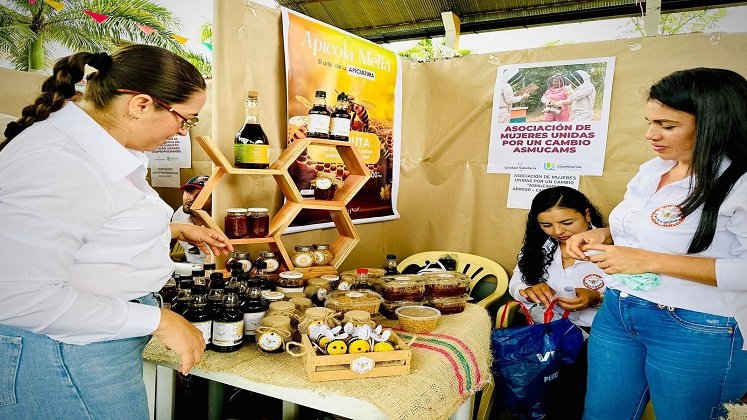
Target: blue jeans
point(688, 363)
point(41, 378)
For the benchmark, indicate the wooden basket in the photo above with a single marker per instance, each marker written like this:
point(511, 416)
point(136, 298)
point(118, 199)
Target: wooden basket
point(324, 367)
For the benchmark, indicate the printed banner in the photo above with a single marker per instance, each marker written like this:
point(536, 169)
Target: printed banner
point(551, 116)
point(321, 57)
point(524, 186)
point(175, 153)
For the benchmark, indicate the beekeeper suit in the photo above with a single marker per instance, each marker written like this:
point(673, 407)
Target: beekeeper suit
point(504, 93)
point(583, 96)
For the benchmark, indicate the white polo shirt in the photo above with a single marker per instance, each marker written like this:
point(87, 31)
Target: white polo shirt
point(81, 233)
point(651, 220)
point(580, 274)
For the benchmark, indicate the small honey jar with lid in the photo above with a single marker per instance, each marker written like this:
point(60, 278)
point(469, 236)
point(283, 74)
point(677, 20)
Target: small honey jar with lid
point(303, 256)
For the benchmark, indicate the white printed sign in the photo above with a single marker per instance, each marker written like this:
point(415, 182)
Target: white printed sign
point(524, 186)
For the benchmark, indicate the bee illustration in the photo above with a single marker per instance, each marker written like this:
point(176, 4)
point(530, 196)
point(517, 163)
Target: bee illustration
point(358, 109)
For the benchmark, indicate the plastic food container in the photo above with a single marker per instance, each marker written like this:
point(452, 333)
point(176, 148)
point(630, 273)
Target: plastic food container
point(349, 300)
point(449, 305)
point(388, 309)
point(446, 284)
point(418, 319)
point(402, 287)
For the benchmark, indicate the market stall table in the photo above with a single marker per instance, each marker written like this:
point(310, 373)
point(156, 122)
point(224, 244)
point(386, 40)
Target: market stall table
point(448, 367)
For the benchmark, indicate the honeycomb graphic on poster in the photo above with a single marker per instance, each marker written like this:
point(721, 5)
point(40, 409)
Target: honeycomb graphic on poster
point(294, 202)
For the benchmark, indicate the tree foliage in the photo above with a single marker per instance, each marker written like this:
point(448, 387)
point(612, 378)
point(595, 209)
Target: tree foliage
point(681, 23)
point(28, 32)
point(427, 50)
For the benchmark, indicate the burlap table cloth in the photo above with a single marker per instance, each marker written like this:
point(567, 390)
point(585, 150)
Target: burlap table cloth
point(447, 366)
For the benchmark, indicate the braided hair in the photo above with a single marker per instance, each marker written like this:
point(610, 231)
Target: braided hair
point(144, 68)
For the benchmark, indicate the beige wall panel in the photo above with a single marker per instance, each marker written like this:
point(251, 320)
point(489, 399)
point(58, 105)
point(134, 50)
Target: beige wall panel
point(446, 198)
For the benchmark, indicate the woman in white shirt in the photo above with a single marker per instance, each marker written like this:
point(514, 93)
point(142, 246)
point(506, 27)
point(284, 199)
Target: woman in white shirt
point(84, 239)
point(672, 325)
point(545, 269)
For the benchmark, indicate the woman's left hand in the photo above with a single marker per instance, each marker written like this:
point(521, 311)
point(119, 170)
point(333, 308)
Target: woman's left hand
point(621, 259)
point(585, 298)
point(208, 240)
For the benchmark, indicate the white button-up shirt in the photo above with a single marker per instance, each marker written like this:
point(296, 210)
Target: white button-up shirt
point(81, 233)
point(581, 274)
point(650, 220)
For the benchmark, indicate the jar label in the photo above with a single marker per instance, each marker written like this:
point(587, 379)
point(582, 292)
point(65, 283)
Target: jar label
point(340, 127)
point(318, 123)
point(251, 153)
point(323, 183)
point(320, 258)
point(204, 327)
point(228, 333)
point(303, 259)
point(272, 265)
point(252, 320)
point(289, 289)
point(269, 341)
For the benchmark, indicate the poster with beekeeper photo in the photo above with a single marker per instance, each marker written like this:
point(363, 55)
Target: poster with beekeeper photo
point(551, 117)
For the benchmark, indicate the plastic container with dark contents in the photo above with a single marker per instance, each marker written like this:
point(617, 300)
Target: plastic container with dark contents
point(402, 287)
point(449, 305)
point(388, 308)
point(446, 284)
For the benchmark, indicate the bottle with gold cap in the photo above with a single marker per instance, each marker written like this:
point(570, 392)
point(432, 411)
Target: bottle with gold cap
point(251, 147)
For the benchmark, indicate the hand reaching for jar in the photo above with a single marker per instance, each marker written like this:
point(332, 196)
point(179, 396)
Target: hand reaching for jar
point(208, 240)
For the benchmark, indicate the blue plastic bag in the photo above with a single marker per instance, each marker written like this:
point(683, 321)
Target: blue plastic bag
point(527, 360)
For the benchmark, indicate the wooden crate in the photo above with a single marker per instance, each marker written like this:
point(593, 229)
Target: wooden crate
point(323, 367)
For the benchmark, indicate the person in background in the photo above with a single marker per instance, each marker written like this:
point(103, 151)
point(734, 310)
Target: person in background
point(582, 97)
point(79, 270)
point(505, 93)
point(672, 327)
point(558, 90)
point(191, 189)
point(544, 269)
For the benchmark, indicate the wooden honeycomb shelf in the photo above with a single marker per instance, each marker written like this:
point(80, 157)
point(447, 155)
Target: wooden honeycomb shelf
point(348, 237)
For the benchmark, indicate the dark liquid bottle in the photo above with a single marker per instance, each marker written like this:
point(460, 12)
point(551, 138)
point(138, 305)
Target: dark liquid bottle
point(254, 308)
point(180, 304)
point(198, 314)
point(215, 295)
point(340, 119)
point(168, 292)
point(319, 117)
point(390, 264)
point(251, 147)
point(228, 326)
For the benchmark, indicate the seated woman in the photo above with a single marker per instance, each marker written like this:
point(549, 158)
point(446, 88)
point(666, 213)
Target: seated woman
point(543, 270)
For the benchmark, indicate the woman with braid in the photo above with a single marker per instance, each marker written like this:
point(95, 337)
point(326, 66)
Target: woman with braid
point(84, 239)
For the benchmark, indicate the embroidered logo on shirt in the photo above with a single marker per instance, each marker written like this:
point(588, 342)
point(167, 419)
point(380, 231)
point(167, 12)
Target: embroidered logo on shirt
point(593, 281)
point(668, 216)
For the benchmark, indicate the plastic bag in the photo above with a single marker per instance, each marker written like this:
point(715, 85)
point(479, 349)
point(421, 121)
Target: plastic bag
point(527, 360)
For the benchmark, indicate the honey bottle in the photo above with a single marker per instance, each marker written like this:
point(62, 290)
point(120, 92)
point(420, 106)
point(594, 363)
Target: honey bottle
point(197, 313)
point(319, 116)
point(340, 119)
point(228, 326)
point(254, 308)
point(251, 147)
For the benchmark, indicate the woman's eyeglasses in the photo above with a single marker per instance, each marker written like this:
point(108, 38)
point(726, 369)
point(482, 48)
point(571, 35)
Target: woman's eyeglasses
point(187, 123)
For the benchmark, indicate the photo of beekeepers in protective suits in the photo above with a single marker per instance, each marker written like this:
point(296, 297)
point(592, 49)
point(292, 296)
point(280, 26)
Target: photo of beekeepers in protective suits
point(582, 97)
point(506, 97)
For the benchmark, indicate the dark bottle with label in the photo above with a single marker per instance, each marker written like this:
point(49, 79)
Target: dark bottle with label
point(181, 303)
point(254, 308)
point(390, 264)
point(198, 314)
point(261, 274)
point(319, 117)
point(209, 270)
point(251, 147)
point(228, 326)
point(340, 119)
point(215, 294)
point(198, 276)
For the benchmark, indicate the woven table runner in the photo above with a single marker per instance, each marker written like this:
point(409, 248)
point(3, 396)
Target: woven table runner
point(448, 365)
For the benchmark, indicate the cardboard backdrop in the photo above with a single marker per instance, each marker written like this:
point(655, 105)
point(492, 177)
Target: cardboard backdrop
point(446, 199)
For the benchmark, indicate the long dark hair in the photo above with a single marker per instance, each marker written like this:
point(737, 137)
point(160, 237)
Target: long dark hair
point(718, 100)
point(534, 259)
point(144, 68)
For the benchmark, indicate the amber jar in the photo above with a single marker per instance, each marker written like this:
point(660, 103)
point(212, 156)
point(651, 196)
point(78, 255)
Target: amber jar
point(324, 189)
point(236, 224)
point(303, 256)
point(322, 254)
point(258, 222)
point(290, 281)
